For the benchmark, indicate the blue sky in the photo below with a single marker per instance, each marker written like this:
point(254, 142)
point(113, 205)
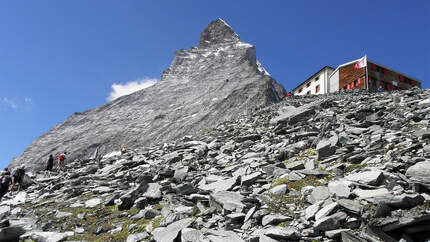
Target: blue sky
point(61, 57)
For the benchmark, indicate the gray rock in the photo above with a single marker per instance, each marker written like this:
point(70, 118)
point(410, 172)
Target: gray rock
point(180, 174)
point(402, 201)
point(137, 237)
point(296, 165)
point(251, 178)
point(326, 210)
point(319, 193)
point(274, 219)
point(312, 210)
point(335, 233)
point(363, 194)
point(11, 233)
point(102, 190)
point(152, 191)
point(340, 188)
point(352, 206)
point(265, 238)
point(191, 235)
point(249, 213)
point(221, 185)
point(60, 214)
point(170, 232)
point(46, 236)
point(221, 236)
point(280, 233)
point(367, 177)
point(349, 236)
point(420, 172)
point(330, 222)
point(92, 203)
point(230, 201)
point(324, 149)
point(278, 190)
point(4, 211)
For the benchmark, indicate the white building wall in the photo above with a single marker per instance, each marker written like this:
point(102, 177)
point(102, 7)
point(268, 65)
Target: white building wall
point(334, 82)
point(313, 83)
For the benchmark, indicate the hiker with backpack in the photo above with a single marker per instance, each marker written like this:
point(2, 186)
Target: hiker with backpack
point(61, 159)
point(18, 177)
point(5, 182)
point(49, 165)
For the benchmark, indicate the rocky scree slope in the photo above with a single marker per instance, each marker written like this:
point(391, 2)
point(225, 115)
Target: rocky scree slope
point(204, 85)
point(352, 166)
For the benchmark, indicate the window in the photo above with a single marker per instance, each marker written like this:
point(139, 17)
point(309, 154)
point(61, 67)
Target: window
point(300, 90)
point(317, 89)
point(309, 92)
point(308, 84)
point(317, 78)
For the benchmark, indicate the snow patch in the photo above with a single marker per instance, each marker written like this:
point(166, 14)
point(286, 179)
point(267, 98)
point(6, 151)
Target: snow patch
point(262, 70)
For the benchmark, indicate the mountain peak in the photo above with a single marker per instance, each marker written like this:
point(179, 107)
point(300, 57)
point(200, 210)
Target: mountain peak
point(217, 32)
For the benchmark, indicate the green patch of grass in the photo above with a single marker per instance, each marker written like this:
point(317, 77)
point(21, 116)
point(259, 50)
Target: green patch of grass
point(285, 224)
point(280, 181)
point(307, 181)
point(308, 152)
point(158, 206)
point(281, 203)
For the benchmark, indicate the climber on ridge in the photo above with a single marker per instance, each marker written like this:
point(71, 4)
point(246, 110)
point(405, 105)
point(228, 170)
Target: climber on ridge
point(61, 159)
point(49, 165)
point(5, 181)
point(18, 177)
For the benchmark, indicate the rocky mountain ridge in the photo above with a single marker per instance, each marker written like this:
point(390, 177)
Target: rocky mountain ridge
point(204, 85)
point(351, 166)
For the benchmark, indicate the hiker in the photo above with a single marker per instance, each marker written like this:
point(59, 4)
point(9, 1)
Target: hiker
point(61, 159)
point(18, 177)
point(4, 171)
point(49, 165)
point(5, 183)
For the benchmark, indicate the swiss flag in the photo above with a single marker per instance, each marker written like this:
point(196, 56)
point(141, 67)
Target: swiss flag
point(362, 62)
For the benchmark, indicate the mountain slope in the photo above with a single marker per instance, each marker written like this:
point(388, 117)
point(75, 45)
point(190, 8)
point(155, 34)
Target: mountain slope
point(204, 85)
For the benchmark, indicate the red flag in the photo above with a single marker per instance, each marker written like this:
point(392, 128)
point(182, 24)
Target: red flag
point(373, 67)
point(401, 78)
point(385, 71)
point(348, 87)
point(358, 82)
point(413, 83)
point(352, 84)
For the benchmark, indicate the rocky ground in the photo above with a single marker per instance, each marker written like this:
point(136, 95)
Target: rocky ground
point(341, 167)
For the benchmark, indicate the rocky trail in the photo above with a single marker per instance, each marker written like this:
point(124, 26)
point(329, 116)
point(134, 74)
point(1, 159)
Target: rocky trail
point(351, 166)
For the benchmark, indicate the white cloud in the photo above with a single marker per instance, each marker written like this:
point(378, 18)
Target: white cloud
point(9, 103)
point(27, 100)
point(119, 90)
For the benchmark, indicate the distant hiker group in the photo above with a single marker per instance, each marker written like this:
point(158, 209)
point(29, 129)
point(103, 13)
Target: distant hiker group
point(50, 163)
point(8, 180)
